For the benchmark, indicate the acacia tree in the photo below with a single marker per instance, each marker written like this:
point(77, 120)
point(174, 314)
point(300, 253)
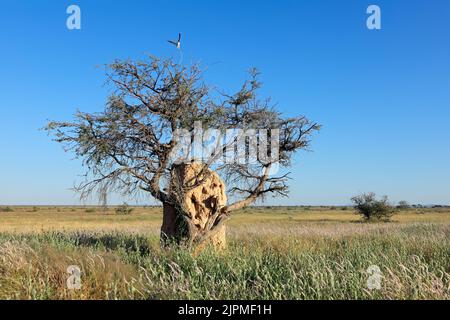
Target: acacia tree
point(129, 147)
point(370, 208)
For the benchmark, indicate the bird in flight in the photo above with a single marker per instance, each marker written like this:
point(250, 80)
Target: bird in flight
point(176, 43)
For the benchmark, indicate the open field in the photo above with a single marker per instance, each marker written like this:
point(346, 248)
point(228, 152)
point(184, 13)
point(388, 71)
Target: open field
point(274, 253)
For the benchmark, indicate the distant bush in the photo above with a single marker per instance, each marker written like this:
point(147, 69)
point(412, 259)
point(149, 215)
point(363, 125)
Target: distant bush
point(344, 208)
point(370, 208)
point(90, 210)
point(403, 205)
point(124, 209)
point(6, 209)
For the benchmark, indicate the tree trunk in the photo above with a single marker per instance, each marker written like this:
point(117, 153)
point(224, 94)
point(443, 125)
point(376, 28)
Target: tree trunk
point(175, 231)
point(195, 218)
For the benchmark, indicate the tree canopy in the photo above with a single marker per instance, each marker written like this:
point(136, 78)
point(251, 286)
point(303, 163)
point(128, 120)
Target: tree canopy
point(130, 146)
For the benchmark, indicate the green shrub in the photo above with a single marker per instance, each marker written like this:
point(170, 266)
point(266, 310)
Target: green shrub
point(370, 208)
point(6, 209)
point(90, 210)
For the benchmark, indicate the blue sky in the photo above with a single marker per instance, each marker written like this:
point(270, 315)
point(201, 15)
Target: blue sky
point(383, 96)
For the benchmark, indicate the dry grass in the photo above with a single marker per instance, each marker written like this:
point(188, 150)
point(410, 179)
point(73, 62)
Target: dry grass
point(277, 253)
point(41, 273)
point(148, 220)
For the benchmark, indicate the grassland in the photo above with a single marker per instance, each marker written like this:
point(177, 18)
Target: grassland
point(273, 253)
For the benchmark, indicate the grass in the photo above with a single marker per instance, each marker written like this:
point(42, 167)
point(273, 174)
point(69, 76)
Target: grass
point(276, 253)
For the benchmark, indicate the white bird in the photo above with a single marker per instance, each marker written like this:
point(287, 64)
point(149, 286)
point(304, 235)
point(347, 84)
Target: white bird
point(176, 43)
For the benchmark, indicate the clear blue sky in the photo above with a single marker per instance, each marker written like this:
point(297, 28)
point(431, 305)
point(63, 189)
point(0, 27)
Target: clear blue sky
point(382, 96)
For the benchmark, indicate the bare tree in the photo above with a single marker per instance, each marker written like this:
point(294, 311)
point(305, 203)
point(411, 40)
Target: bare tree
point(128, 148)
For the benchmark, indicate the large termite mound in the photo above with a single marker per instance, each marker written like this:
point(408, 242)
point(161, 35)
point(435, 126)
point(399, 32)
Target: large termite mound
point(201, 201)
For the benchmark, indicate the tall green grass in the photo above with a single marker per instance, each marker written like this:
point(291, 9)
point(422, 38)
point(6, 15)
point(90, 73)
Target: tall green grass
point(414, 261)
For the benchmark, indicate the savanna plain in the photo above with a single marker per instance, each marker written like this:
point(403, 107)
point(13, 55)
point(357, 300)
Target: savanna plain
point(272, 253)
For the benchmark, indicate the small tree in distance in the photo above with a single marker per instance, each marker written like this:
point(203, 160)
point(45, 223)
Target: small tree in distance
point(403, 205)
point(371, 208)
